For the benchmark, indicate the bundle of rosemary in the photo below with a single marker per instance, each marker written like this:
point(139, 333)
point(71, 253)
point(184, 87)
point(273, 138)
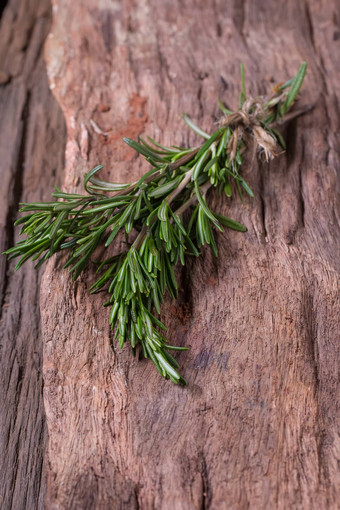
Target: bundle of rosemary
point(164, 215)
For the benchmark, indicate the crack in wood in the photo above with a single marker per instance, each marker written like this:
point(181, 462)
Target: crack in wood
point(16, 194)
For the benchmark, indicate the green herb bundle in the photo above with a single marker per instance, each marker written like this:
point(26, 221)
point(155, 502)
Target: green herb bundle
point(164, 215)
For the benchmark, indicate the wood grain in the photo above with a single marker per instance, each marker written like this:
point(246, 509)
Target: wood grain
point(257, 426)
point(32, 145)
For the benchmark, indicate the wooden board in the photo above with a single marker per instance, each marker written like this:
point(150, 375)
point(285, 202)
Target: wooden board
point(257, 426)
point(32, 145)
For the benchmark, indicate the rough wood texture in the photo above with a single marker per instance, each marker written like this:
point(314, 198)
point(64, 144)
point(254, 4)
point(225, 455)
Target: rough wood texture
point(257, 426)
point(32, 145)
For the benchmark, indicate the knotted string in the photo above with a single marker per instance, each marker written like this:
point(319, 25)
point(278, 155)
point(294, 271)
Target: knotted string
point(246, 125)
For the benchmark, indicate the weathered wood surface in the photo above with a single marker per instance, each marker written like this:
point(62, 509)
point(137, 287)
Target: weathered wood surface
point(32, 145)
point(257, 426)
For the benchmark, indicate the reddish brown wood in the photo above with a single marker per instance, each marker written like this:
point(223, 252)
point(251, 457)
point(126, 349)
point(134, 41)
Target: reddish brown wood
point(257, 426)
point(32, 145)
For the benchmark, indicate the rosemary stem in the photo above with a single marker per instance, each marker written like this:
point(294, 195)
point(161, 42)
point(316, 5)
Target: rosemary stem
point(140, 238)
point(184, 159)
point(193, 199)
point(180, 187)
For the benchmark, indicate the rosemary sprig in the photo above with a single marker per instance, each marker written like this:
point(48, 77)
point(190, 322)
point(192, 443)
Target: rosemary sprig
point(164, 215)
